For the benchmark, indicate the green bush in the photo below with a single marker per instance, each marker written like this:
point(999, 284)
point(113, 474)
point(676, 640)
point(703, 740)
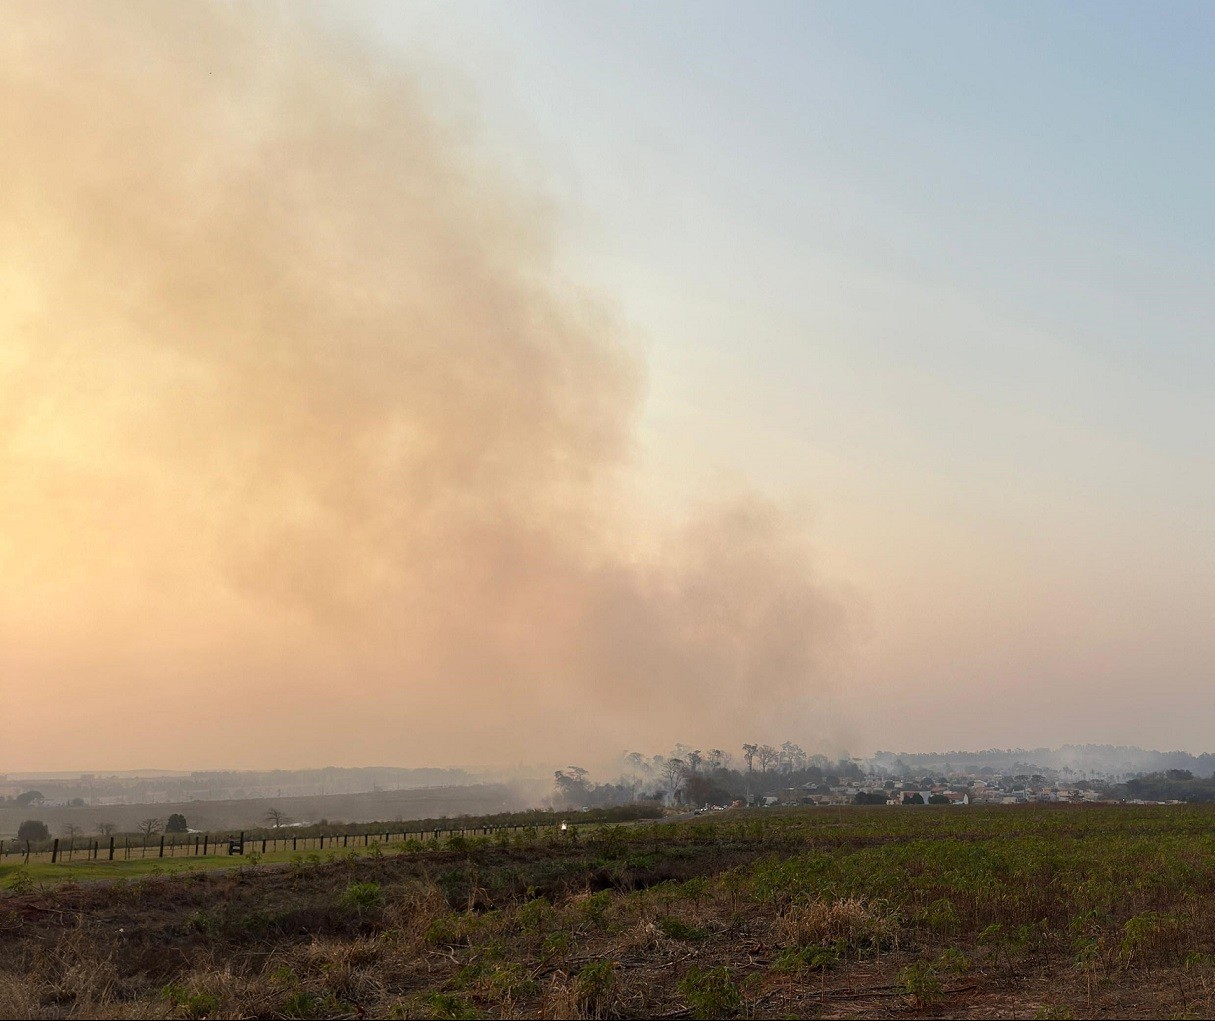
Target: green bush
point(711, 993)
point(363, 898)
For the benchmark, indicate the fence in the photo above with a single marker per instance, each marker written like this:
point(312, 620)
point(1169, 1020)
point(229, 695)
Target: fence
point(188, 845)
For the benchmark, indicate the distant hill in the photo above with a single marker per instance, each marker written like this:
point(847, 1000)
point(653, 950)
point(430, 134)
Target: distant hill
point(144, 787)
point(1094, 760)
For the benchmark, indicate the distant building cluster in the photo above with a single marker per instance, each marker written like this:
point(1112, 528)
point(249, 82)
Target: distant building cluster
point(959, 789)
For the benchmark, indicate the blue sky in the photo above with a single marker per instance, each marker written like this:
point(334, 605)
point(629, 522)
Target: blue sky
point(937, 275)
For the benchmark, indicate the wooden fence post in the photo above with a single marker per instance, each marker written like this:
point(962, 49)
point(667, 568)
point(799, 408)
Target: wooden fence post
point(111, 848)
point(162, 846)
point(55, 851)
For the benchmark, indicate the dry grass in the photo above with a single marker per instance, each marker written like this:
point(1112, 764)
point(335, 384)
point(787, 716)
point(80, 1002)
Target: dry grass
point(849, 922)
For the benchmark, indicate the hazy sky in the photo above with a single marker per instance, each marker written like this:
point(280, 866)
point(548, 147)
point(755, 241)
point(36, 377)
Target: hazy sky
point(446, 383)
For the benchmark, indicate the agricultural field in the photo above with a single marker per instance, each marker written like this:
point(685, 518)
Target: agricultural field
point(1010, 912)
point(248, 813)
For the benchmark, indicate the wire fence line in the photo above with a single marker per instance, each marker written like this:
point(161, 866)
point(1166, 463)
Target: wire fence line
point(186, 845)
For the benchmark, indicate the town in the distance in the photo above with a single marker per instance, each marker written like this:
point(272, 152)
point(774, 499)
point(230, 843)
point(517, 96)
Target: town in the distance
point(686, 779)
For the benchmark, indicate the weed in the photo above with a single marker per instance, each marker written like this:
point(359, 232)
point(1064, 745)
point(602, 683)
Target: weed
point(363, 898)
point(194, 1005)
point(594, 908)
point(536, 916)
point(711, 993)
point(811, 958)
point(450, 1007)
point(21, 881)
point(676, 928)
point(954, 960)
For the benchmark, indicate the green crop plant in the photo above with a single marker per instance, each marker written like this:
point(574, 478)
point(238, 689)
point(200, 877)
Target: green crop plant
point(594, 987)
point(711, 993)
point(922, 984)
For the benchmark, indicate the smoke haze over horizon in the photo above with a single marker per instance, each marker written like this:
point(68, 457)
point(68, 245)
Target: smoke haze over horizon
point(307, 451)
point(470, 384)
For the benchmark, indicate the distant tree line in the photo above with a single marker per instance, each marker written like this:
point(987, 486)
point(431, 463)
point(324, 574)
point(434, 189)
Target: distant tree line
point(34, 799)
point(697, 777)
point(1169, 785)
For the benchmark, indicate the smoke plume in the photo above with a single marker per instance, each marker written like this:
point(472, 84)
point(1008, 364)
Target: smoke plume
point(307, 454)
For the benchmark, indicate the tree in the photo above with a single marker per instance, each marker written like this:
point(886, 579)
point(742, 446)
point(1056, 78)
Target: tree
point(571, 786)
point(938, 799)
point(869, 798)
point(577, 774)
point(106, 829)
point(176, 824)
point(792, 756)
point(913, 799)
point(674, 771)
point(71, 831)
point(768, 757)
point(699, 789)
point(276, 817)
point(749, 753)
point(30, 798)
point(694, 760)
point(32, 830)
point(150, 827)
point(637, 763)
